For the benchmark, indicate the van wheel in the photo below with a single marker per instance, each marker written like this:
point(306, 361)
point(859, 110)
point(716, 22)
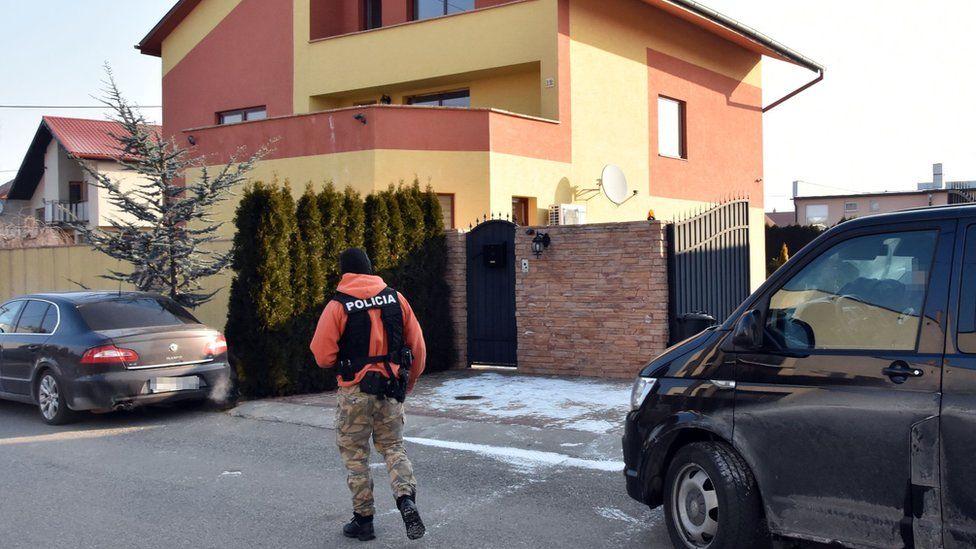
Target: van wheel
point(711, 500)
point(51, 401)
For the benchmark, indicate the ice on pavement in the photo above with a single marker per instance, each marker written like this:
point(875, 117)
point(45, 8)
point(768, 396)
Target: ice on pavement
point(591, 405)
point(521, 457)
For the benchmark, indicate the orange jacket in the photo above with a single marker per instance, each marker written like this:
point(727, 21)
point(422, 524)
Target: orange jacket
point(325, 342)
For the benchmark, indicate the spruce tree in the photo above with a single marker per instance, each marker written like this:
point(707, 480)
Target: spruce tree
point(167, 226)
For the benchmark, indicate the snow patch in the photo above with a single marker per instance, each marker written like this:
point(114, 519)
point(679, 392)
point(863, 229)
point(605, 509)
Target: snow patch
point(520, 457)
point(579, 404)
point(615, 514)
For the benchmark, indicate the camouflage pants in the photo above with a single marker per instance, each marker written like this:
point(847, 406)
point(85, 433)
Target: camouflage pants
point(359, 416)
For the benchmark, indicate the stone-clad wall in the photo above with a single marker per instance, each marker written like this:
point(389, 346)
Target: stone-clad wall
point(595, 303)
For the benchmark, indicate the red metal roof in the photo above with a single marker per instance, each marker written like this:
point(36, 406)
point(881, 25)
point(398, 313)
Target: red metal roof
point(86, 138)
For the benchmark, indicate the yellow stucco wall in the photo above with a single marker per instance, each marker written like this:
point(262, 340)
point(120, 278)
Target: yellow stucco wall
point(198, 24)
point(395, 56)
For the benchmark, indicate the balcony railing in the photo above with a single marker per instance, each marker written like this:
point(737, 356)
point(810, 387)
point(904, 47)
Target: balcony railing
point(62, 212)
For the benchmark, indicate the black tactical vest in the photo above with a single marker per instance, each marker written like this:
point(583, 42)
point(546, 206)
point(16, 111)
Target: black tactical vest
point(354, 343)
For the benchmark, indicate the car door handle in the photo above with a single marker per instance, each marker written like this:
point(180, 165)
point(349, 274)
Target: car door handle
point(33, 347)
point(900, 371)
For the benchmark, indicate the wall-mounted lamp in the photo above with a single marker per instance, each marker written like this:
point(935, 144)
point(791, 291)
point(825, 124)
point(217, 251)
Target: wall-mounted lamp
point(361, 117)
point(540, 243)
point(191, 139)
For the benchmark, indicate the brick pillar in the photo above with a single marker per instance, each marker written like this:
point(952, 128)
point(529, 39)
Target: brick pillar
point(457, 281)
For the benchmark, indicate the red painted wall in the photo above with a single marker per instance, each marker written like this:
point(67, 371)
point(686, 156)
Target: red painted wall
point(246, 61)
point(724, 133)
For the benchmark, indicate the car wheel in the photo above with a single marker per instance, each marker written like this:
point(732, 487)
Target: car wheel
point(711, 500)
point(51, 400)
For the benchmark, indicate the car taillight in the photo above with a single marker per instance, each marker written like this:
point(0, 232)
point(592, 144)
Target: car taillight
point(109, 354)
point(216, 346)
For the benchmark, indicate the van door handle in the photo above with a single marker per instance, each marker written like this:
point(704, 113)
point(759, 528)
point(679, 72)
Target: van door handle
point(900, 371)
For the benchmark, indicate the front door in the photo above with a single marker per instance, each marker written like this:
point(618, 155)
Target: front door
point(839, 409)
point(959, 404)
point(21, 347)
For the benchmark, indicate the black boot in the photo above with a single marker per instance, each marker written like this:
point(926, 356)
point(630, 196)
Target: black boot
point(359, 527)
point(411, 517)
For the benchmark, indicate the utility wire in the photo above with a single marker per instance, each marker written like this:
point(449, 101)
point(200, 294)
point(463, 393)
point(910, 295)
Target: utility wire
point(73, 106)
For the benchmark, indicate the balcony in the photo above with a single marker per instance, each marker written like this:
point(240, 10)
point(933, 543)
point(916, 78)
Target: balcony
point(390, 127)
point(63, 212)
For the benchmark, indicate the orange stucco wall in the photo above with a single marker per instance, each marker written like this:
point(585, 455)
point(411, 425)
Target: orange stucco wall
point(245, 61)
point(723, 128)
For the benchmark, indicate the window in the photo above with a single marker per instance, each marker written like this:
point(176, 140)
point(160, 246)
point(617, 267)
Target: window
point(425, 9)
point(372, 14)
point(447, 209)
point(875, 206)
point(134, 312)
point(39, 215)
point(8, 315)
point(966, 332)
point(817, 214)
point(671, 128)
point(76, 191)
point(520, 211)
point(850, 206)
point(460, 98)
point(242, 115)
point(51, 320)
point(32, 319)
point(864, 293)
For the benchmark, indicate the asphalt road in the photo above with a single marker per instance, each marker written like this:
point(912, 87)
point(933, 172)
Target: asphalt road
point(183, 478)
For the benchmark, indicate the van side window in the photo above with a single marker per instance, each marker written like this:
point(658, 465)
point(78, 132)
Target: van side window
point(966, 331)
point(866, 293)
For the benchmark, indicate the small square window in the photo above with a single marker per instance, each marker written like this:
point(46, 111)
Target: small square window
point(875, 206)
point(850, 206)
point(817, 214)
point(671, 128)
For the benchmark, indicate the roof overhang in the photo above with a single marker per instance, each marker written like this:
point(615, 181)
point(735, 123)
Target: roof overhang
point(721, 25)
point(32, 167)
point(152, 43)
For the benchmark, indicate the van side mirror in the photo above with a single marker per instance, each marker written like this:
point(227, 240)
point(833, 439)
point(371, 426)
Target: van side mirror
point(747, 333)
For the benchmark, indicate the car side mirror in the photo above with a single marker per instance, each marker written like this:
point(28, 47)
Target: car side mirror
point(747, 334)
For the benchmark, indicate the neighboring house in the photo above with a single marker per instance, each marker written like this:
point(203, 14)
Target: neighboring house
point(780, 219)
point(828, 210)
point(51, 184)
point(505, 107)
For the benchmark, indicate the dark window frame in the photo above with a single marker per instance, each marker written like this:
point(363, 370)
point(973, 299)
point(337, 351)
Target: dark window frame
point(967, 296)
point(244, 113)
point(523, 204)
point(682, 127)
point(82, 191)
point(441, 97)
point(372, 15)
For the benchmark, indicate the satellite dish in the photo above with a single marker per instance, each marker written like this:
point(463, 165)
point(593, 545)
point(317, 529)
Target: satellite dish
point(614, 184)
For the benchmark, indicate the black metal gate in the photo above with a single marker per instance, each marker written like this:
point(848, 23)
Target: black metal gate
point(708, 263)
point(491, 294)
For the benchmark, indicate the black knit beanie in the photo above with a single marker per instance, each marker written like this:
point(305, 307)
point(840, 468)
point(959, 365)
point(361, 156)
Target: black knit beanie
point(355, 260)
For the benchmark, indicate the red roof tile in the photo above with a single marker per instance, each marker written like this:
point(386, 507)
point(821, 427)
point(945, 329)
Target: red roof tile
point(86, 138)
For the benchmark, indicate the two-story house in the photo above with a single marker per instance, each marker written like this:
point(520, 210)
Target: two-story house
point(509, 107)
point(51, 184)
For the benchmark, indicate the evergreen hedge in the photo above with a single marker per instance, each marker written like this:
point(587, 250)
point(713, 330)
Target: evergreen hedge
point(286, 268)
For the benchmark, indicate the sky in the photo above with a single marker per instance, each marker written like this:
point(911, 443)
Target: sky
point(899, 92)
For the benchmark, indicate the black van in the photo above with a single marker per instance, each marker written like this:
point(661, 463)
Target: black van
point(837, 404)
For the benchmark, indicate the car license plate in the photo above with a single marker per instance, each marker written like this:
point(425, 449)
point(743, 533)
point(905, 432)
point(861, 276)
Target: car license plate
point(169, 384)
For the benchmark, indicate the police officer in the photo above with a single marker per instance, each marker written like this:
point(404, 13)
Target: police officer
point(369, 332)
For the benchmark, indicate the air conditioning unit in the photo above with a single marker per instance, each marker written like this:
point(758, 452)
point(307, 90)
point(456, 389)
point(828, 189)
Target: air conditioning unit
point(567, 214)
